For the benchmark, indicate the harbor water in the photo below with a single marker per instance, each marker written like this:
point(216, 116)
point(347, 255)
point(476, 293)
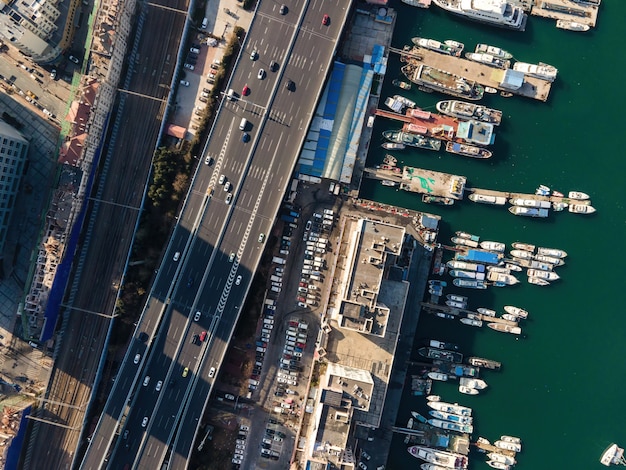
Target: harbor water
point(562, 384)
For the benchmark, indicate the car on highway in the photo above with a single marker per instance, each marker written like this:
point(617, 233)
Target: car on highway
point(231, 257)
point(73, 59)
point(184, 83)
point(283, 9)
point(254, 55)
point(188, 66)
point(185, 371)
point(208, 160)
point(227, 186)
point(203, 336)
point(159, 385)
point(261, 74)
point(144, 422)
point(197, 316)
point(190, 282)
point(245, 91)
point(229, 198)
point(301, 305)
point(222, 179)
point(137, 357)
point(146, 381)
point(176, 256)
point(245, 138)
point(325, 20)
point(194, 50)
point(212, 372)
point(126, 434)
point(238, 280)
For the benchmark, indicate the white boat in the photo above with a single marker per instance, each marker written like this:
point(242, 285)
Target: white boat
point(518, 201)
point(542, 190)
point(456, 298)
point(499, 269)
point(469, 111)
point(488, 59)
point(512, 267)
point(455, 304)
point(418, 3)
point(538, 281)
point(456, 264)
point(572, 26)
point(529, 211)
point(552, 252)
point(467, 274)
point(449, 47)
point(494, 51)
point(433, 398)
point(547, 275)
point(498, 465)
point(524, 246)
point(501, 458)
point(559, 206)
point(440, 376)
point(486, 311)
point(521, 254)
point(509, 317)
point(501, 13)
point(439, 457)
point(513, 439)
point(451, 416)
point(550, 260)
point(515, 330)
point(514, 446)
point(467, 235)
point(464, 242)
point(613, 455)
point(478, 384)
point(578, 195)
point(450, 408)
point(432, 466)
point(534, 264)
point(472, 322)
point(470, 283)
point(450, 426)
point(518, 312)
point(501, 278)
point(581, 209)
point(540, 70)
point(485, 199)
point(492, 246)
point(468, 390)
point(393, 146)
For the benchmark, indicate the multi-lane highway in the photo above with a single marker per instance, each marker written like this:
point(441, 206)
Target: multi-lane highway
point(218, 241)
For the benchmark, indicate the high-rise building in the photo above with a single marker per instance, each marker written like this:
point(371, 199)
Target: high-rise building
point(13, 151)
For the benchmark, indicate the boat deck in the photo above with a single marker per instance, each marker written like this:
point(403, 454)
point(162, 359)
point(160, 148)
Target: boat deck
point(534, 88)
point(567, 10)
point(491, 448)
point(534, 197)
point(418, 180)
point(461, 312)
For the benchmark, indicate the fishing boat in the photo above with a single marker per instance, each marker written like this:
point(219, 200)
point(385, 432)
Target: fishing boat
point(440, 376)
point(449, 407)
point(530, 203)
point(528, 211)
point(455, 304)
point(468, 236)
point(449, 47)
point(456, 264)
point(470, 283)
point(467, 274)
point(512, 267)
point(613, 455)
point(494, 51)
point(388, 183)
point(513, 439)
point(538, 281)
point(572, 26)
point(581, 209)
point(509, 317)
point(488, 59)
point(464, 242)
point(518, 312)
point(501, 458)
point(499, 269)
point(550, 259)
point(420, 386)
point(478, 384)
point(515, 447)
point(469, 111)
point(540, 70)
point(433, 343)
point(412, 140)
point(443, 81)
point(446, 316)
point(578, 195)
point(418, 417)
point(468, 390)
point(439, 457)
point(437, 282)
point(468, 150)
point(485, 199)
point(456, 298)
point(440, 200)
point(401, 84)
point(524, 246)
point(450, 426)
point(500, 13)
point(393, 146)
point(441, 354)
point(547, 275)
point(502, 279)
point(555, 252)
point(472, 322)
point(498, 465)
point(521, 254)
point(486, 363)
point(492, 246)
point(405, 102)
point(451, 416)
point(486, 311)
point(516, 330)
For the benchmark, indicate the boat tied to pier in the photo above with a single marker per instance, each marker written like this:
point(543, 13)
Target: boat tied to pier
point(469, 111)
point(478, 384)
point(485, 199)
point(581, 209)
point(529, 211)
point(439, 457)
point(451, 416)
point(513, 446)
point(518, 312)
point(578, 195)
point(538, 281)
point(524, 246)
point(540, 70)
point(401, 84)
point(500, 13)
point(455, 264)
point(494, 51)
point(504, 328)
point(554, 252)
point(464, 242)
point(412, 140)
point(441, 200)
point(488, 59)
point(572, 26)
point(434, 343)
point(482, 362)
point(399, 103)
point(441, 354)
point(448, 47)
point(472, 322)
point(443, 81)
point(469, 283)
point(393, 146)
point(493, 246)
point(466, 150)
point(449, 407)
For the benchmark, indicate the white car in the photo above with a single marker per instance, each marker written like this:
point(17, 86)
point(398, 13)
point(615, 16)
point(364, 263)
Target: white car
point(227, 186)
point(302, 305)
point(194, 50)
point(73, 59)
point(281, 380)
point(144, 422)
point(212, 372)
point(184, 83)
point(208, 160)
point(238, 280)
point(261, 74)
point(229, 198)
point(146, 381)
point(243, 427)
point(189, 66)
point(176, 256)
point(137, 357)
point(159, 385)
point(197, 316)
point(222, 179)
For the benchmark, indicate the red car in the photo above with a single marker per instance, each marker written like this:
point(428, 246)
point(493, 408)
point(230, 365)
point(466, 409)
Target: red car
point(325, 20)
point(245, 91)
point(203, 336)
point(303, 284)
point(301, 299)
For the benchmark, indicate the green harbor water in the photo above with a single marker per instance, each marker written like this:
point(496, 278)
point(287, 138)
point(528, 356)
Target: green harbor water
point(562, 386)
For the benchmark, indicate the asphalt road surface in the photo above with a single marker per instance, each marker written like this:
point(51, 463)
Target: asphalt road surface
point(218, 241)
point(71, 383)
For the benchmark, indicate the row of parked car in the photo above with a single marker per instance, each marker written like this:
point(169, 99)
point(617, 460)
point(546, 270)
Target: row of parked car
point(240, 445)
point(262, 342)
point(272, 440)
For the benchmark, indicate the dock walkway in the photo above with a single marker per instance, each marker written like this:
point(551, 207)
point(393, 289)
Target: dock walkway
point(583, 13)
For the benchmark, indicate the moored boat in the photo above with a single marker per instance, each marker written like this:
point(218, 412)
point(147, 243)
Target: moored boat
point(578, 195)
point(572, 26)
point(538, 281)
point(469, 111)
point(455, 304)
point(457, 298)
point(528, 211)
point(469, 236)
point(472, 322)
point(441, 354)
point(433, 398)
point(465, 265)
point(466, 150)
point(439, 457)
point(431, 466)
point(524, 246)
point(501, 458)
point(613, 455)
point(547, 275)
point(459, 273)
point(401, 84)
point(486, 311)
point(470, 283)
point(515, 447)
point(464, 242)
point(521, 254)
point(549, 259)
point(448, 47)
point(450, 426)
point(509, 317)
point(500, 13)
point(499, 269)
point(518, 201)
point(468, 390)
point(398, 103)
point(502, 279)
point(512, 267)
point(518, 312)
point(513, 439)
point(494, 51)
point(486, 199)
point(581, 209)
point(498, 465)
point(440, 376)
point(492, 246)
point(437, 282)
point(478, 384)
point(443, 81)
point(488, 59)
point(442, 201)
point(540, 70)
point(555, 252)
point(444, 315)
point(388, 183)
point(412, 140)
point(434, 343)
point(515, 330)
point(418, 417)
point(486, 363)
point(393, 146)
point(451, 416)
point(449, 407)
